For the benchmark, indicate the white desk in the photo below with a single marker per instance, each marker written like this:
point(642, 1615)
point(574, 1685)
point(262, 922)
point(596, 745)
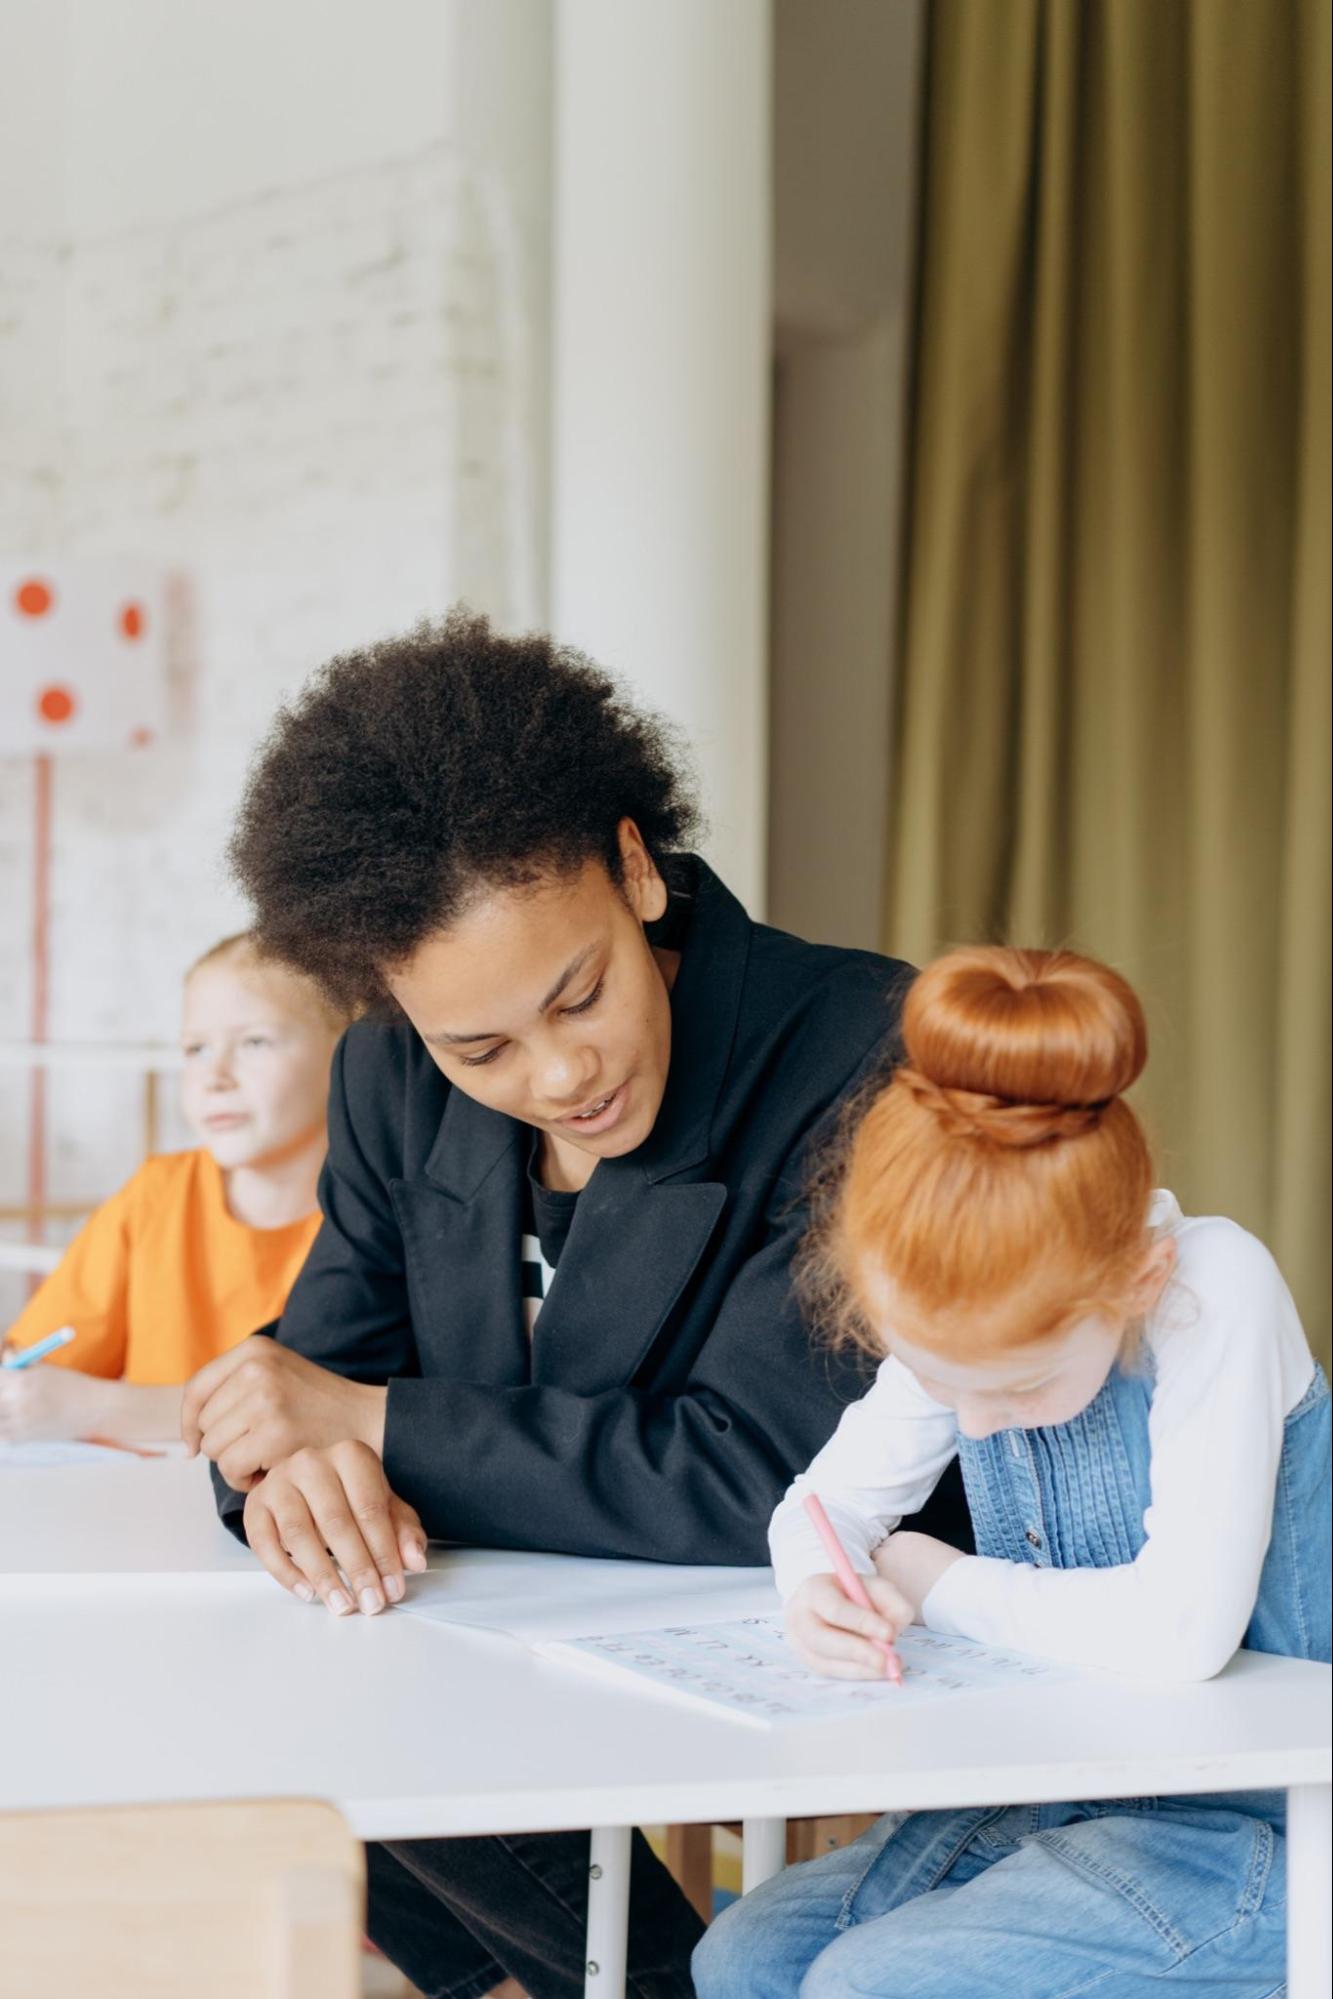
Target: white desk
point(160, 1684)
point(115, 1514)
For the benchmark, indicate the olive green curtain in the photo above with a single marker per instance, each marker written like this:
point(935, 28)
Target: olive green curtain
point(1112, 720)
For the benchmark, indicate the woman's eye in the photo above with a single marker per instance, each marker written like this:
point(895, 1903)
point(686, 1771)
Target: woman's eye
point(480, 1061)
point(256, 1041)
point(591, 1001)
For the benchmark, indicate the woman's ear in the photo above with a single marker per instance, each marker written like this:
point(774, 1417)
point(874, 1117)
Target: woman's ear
point(645, 890)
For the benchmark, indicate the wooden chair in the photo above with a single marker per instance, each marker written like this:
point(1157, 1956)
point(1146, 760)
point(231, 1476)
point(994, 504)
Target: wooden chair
point(210, 1901)
point(688, 1851)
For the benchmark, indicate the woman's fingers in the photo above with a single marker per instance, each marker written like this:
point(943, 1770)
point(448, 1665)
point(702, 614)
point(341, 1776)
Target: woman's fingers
point(371, 1504)
point(228, 1443)
point(200, 1387)
point(348, 1497)
point(266, 1540)
point(325, 1523)
point(410, 1533)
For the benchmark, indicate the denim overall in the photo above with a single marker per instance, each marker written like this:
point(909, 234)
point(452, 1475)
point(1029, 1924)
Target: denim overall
point(1114, 1898)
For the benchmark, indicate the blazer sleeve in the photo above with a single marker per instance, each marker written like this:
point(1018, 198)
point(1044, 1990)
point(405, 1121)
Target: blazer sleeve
point(348, 1309)
point(685, 1477)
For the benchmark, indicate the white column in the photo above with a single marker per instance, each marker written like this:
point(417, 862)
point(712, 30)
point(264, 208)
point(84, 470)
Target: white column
point(1309, 1860)
point(660, 390)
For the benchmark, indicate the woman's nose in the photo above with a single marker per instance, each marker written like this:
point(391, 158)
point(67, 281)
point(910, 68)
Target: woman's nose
point(567, 1080)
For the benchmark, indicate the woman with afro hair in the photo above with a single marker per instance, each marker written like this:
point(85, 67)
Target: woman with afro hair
point(549, 1306)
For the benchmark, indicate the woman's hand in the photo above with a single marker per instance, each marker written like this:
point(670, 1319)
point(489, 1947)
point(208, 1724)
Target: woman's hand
point(831, 1634)
point(258, 1403)
point(43, 1403)
point(329, 1509)
point(912, 1564)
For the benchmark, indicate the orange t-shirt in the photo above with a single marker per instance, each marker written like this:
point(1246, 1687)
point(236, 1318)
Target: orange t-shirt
point(163, 1278)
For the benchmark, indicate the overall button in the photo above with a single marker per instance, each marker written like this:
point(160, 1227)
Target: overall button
point(1032, 1537)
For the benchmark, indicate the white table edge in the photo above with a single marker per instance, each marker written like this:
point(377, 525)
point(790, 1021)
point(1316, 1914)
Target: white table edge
point(710, 1801)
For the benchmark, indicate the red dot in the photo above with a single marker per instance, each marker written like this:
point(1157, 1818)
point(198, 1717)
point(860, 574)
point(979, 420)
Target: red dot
point(132, 621)
point(141, 738)
point(34, 598)
point(56, 704)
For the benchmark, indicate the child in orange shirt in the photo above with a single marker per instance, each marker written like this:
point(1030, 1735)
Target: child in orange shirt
point(199, 1248)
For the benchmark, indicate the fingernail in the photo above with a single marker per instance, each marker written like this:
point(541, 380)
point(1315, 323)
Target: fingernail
point(304, 1591)
point(339, 1603)
point(393, 1589)
point(371, 1601)
point(416, 1555)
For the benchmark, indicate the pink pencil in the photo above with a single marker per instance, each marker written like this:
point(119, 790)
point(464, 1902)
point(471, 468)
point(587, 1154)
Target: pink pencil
point(852, 1585)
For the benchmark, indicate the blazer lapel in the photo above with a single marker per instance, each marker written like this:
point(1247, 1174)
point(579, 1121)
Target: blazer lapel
point(630, 1253)
point(461, 1227)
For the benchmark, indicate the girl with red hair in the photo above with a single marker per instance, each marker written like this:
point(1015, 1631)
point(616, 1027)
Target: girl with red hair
point(1144, 1440)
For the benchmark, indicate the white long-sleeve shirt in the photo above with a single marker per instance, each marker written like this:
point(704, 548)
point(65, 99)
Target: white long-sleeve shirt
point(1230, 1362)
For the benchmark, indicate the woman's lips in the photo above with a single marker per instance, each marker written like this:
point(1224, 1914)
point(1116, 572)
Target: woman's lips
point(606, 1118)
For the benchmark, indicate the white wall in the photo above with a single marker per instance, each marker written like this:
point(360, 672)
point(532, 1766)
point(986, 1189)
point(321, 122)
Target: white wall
point(662, 340)
point(274, 296)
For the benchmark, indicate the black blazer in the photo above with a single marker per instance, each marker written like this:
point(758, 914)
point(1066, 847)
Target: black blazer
point(670, 1391)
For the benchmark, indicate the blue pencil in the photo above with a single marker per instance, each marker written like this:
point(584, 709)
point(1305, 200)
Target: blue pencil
point(29, 1356)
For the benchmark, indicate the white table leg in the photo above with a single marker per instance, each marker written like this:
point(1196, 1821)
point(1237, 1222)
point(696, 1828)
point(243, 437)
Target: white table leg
point(763, 1851)
point(1309, 1915)
point(608, 1912)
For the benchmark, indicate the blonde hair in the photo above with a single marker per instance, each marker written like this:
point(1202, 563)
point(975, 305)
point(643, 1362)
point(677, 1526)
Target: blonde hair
point(242, 950)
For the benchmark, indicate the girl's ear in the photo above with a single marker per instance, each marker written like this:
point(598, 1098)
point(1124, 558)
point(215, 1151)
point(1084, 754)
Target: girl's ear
point(1154, 1273)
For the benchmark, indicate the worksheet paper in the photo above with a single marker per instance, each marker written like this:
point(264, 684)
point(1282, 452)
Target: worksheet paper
point(747, 1669)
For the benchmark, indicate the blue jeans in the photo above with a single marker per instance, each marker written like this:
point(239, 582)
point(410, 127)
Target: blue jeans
point(1026, 1902)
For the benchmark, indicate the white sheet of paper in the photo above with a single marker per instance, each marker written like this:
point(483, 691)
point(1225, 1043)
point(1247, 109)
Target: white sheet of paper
point(30, 1456)
point(538, 1598)
point(746, 1669)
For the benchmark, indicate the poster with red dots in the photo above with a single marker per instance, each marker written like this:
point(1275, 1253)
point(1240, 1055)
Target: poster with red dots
point(82, 655)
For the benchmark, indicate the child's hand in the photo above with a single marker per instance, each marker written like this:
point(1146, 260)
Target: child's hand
point(43, 1403)
point(832, 1635)
point(325, 1510)
point(913, 1564)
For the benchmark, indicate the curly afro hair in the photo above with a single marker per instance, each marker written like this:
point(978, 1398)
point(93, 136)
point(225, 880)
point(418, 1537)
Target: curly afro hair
point(406, 778)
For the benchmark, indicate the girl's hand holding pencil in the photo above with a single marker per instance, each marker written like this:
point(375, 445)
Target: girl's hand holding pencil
point(844, 1624)
point(38, 1351)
